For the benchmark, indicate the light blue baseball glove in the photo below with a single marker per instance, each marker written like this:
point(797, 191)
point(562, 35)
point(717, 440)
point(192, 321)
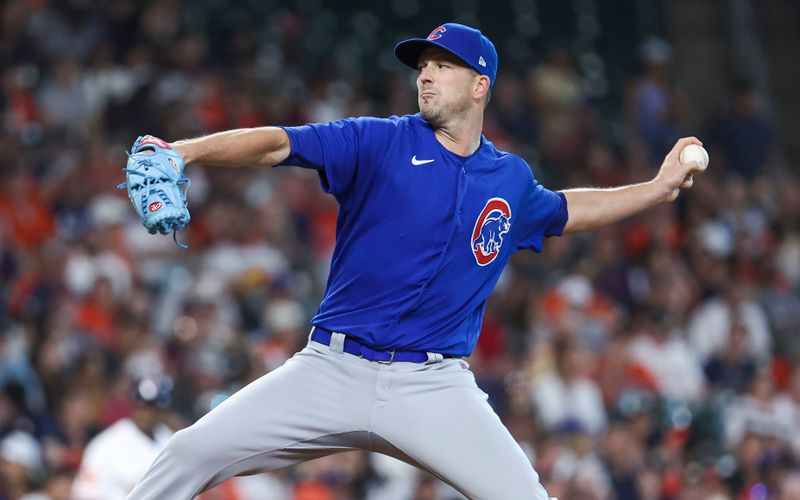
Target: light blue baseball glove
point(156, 186)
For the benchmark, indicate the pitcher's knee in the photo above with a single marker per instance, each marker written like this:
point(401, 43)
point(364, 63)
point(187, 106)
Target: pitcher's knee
point(177, 472)
point(185, 447)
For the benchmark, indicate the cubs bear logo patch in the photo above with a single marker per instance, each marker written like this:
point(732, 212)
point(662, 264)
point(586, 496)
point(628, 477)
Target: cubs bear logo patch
point(487, 236)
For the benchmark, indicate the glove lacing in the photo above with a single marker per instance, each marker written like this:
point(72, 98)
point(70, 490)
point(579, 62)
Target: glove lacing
point(184, 182)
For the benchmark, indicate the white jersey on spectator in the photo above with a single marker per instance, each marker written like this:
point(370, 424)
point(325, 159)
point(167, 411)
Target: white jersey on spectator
point(116, 459)
point(710, 325)
point(558, 402)
point(676, 369)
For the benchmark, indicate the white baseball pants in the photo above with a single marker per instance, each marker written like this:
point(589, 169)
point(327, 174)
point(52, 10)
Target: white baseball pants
point(321, 402)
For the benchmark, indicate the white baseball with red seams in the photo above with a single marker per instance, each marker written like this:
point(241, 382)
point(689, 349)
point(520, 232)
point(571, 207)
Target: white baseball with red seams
point(695, 153)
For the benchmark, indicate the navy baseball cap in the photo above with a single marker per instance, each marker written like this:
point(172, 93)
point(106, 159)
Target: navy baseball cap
point(468, 44)
point(154, 390)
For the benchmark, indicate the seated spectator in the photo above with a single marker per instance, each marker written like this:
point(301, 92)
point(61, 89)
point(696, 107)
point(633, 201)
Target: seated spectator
point(116, 458)
point(573, 306)
point(742, 135)
point(788, 410)
point(733, 368)
point(789, 487)
point(511, 117)
point(757, 458)
point(566, 399)
point(559, 98)
point(25, 210)
point(675, 368)
point(654, 104)
point(710, 324)
point(758, 412)
point(624, 456)
point(21, 466)
point(571, 468)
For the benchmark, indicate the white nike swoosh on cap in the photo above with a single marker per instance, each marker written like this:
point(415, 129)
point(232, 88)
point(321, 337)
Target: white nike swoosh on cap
point(414, 161)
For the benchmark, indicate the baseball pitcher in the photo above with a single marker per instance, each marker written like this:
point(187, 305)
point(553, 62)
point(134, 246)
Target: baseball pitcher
point(430, 212)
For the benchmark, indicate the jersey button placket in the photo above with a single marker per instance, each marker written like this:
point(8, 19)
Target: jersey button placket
point(456, 220)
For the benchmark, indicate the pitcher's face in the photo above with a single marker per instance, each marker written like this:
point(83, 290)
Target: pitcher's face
point(445, 85)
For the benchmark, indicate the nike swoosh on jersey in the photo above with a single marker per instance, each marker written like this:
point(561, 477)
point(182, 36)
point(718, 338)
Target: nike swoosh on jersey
point(414, 161)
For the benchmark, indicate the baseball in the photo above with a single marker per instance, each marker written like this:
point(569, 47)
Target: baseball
point(693, 152)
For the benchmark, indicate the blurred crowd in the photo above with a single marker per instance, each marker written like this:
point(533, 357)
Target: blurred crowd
point(653, 359)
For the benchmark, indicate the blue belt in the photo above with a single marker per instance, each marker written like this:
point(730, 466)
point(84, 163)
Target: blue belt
point(356, 348)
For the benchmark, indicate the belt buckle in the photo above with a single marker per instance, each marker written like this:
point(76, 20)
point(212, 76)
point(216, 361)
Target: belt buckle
point(391, 359)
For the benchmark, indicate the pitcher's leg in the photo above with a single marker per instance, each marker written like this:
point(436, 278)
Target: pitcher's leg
point(446, 424)
point(305, 409)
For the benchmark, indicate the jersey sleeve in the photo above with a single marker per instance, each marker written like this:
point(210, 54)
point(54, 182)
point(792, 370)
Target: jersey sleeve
point(541, 213)
point(339, 150)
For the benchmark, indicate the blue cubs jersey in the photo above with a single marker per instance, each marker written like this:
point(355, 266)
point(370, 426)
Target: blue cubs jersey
point(422, 234)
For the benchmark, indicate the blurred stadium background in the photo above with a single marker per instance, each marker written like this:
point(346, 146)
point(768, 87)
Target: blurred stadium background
point(655, 359)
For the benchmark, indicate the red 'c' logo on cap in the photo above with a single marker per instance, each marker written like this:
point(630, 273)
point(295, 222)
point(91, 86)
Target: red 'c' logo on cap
point(437, 33)
point(154, 206)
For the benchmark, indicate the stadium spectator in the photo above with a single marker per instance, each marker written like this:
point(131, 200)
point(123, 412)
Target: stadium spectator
point(566, 399)
point(711, 323)
point(116, 459)
point(655, 105)
point(742, 134)
point(663, 354)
